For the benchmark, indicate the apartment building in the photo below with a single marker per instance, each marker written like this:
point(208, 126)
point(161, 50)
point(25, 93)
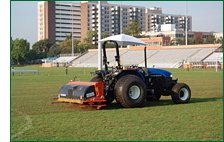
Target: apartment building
point(58, 19)
point(155, 18)
point(111, 15)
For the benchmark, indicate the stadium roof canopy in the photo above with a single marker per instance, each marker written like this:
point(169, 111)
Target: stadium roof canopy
point(123, 40)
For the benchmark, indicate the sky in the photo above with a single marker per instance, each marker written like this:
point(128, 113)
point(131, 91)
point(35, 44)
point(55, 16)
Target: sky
point(206, 15)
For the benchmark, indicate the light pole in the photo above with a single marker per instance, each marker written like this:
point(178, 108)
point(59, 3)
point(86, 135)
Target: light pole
point(120, 21)
point(186, 23)
point(99, 38)
point(72, 31)
point(183, 38)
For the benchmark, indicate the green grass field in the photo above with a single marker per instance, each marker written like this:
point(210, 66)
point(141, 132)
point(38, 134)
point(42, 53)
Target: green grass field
point(33, 118)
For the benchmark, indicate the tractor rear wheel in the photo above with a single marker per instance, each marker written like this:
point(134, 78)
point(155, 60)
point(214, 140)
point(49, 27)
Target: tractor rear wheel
point(181, 93)
point(130, 91)
point(100, 79)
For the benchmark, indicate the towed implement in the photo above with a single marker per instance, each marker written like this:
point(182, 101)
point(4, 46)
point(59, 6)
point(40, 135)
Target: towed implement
point(129, 86)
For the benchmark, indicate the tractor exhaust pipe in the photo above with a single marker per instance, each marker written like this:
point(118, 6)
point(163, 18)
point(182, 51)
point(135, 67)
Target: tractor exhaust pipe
point(145, 57)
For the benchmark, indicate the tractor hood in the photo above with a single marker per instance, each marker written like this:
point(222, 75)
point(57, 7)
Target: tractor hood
point(154, 71)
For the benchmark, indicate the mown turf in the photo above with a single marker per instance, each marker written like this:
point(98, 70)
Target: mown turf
point(200, 119)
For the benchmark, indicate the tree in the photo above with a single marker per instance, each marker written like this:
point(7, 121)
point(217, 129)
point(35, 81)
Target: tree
point(84, 46)
point(19, 50)
point(179, 41)
point(90, 34)
point(54, 51)
point(32, 55)
point(42, 46)
point(68, 36)
point(220, 40)
point(42, 55)
point(210, 39)
point(133, 28)
point(66, 46)
point(190, 41)
point(173, 41)
point(104, 35)
point(198, 40)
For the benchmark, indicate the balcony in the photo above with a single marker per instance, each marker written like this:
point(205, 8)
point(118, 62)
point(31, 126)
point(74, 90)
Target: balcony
point(154, 20)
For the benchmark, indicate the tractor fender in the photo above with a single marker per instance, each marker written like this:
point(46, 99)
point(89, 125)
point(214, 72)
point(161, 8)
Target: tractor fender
point(131, 72)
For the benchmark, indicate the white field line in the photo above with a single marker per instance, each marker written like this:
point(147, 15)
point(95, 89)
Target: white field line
point(28, 125)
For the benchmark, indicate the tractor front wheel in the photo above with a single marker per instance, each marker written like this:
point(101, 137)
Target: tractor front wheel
point(130, 91)
point(181, 93)
point(109, 99)
point(97, 79)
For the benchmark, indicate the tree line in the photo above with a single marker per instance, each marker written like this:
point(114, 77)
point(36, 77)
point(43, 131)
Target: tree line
point(20, 51)
point(209, 40)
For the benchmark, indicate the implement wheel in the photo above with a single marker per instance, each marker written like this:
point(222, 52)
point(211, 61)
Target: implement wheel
point(181, 93)
point(130, 91)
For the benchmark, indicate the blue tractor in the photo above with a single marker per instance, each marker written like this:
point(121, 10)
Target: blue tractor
point(129, 86)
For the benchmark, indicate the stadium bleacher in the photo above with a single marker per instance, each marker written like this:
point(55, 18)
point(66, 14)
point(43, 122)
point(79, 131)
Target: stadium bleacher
point(64, 59)
point(213, 57)
point(201, 54)
point(159, 58)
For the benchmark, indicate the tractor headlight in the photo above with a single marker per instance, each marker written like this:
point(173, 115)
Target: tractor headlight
point(171, 75)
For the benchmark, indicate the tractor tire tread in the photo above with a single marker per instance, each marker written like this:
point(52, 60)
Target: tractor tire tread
point(175, 90)
point(118, 94)
point(118, 91)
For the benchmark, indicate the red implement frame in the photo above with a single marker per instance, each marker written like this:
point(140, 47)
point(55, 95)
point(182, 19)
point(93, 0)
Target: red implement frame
point(92, 102)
